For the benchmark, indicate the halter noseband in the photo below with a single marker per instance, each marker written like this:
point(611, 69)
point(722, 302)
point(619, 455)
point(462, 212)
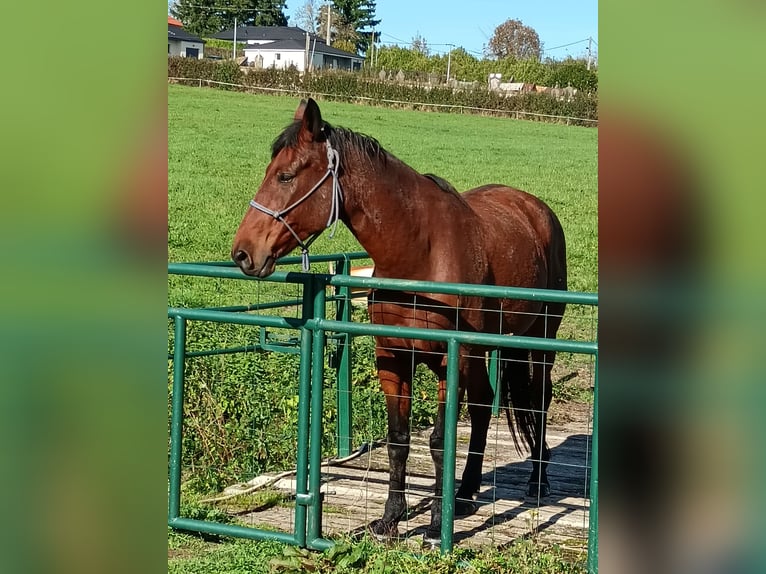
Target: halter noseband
point(333, 162)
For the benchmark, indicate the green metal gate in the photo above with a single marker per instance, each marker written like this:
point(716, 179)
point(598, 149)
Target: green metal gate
point(312, 329)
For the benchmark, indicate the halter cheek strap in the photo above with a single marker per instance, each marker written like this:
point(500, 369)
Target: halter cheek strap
point(333, 162)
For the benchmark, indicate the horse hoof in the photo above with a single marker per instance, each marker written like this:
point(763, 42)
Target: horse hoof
point(538, 489)
point(464, 507)
point(432, 539)
point(382, 530)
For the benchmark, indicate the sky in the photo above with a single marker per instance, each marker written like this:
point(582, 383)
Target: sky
point(471, 24)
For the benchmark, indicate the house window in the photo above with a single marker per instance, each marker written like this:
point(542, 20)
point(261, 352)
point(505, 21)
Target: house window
point(279, 56)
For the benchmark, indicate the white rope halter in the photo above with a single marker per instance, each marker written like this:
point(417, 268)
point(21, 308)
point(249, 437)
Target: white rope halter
point(333, 162)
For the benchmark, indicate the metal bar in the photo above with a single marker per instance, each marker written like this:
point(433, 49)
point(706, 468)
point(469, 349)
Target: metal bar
point(593, 509)
point(227, 351)
point(231, 530)
point(321, 544)
point(176, 419)
point(236, 318)
point(527, 294)
point(256, 306)
point(317, 398)
point(290, 260)
point(486, 339)
point(343, 313)
point(545, 295)
point(450, 446)
point(302, 460)
point(494, 379)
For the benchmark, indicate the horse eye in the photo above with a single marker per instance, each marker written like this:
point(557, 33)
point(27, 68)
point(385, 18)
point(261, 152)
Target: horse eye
point(285, 177)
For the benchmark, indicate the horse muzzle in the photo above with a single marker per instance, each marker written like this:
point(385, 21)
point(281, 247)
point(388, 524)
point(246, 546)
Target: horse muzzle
point(262, 266)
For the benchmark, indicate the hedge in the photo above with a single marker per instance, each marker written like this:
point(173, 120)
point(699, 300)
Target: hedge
point(350, 86)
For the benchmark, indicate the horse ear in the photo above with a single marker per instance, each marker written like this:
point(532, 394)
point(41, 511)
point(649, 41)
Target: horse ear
point(311, 120)
point(301, 108)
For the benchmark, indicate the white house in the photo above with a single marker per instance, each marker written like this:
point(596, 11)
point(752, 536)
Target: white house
point(285, 46)
point(182, 43)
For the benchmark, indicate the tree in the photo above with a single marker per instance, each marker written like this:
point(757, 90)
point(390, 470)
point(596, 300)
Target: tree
point(359, 16)
point(419, 44)
point(339, 30)
point(205, 17)
point(307, 16)
point(513, 39)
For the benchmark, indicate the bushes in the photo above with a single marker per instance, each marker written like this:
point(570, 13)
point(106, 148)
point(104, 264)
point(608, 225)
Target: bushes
point(350, 86)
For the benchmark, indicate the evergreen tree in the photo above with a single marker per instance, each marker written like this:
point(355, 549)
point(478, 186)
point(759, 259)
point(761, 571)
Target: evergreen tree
point(358, 15)
point(206, 17)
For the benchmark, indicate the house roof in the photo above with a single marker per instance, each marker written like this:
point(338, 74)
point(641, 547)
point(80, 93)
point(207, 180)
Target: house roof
point(178, 33)
point(245, 33)
point(319, 48)
point(175, 22)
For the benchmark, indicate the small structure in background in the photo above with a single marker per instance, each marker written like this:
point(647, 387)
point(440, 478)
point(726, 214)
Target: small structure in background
point(182, 43)
point(285, 46)
point(509, 88)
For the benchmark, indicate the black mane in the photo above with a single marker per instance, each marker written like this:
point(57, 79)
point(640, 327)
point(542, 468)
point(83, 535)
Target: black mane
point(345, 140)
point(342, 139)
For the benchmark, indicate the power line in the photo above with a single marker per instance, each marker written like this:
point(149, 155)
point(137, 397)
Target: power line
point(566, 45)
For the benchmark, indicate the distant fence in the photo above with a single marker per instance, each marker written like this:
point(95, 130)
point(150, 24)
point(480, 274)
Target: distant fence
point(517, 114)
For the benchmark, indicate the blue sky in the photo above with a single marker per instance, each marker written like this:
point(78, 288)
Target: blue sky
point(471, 24)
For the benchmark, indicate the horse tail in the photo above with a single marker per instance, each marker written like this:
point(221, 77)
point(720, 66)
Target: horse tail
point(516, 395)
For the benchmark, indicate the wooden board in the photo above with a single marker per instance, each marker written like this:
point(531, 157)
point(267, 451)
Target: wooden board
point(355, 492)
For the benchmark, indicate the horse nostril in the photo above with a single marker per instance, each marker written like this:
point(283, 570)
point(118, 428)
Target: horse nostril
point(241, 258)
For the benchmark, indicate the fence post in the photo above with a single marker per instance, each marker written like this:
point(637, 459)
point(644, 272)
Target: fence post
point(304, 401)
point(317, 399)
point(343, 368)
point(494, 379)
point(176, 418)
point(593, 509)
point(450, 446)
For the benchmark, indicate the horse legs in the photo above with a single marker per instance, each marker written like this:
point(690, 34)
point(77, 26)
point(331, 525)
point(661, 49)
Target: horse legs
point(398, 405)
point(474, 371)
point(480, 410)
point(436, 444)
point(541, 392)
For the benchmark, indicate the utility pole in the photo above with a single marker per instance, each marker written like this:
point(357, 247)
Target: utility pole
point(306, 58)
point(372, 50)
point(589, 42)
point(449, 59)
point(234, 49)
point(329, 19)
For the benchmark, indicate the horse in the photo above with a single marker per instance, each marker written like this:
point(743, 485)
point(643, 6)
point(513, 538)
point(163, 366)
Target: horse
point(418, 227)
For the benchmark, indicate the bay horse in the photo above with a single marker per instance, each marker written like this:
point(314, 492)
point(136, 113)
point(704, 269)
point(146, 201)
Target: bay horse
point(418, 227)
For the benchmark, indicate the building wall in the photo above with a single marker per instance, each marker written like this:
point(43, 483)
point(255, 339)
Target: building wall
point(178, 48)
point(297, 58)
point(281, 59)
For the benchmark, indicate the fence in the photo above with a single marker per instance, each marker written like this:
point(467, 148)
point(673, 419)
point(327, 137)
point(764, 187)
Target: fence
point(517, 114)
point(313, 329)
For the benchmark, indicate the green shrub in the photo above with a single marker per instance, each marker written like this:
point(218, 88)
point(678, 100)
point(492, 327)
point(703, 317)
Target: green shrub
point(350, 86)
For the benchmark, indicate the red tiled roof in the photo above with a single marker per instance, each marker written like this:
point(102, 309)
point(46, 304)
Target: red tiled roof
point(174, 22)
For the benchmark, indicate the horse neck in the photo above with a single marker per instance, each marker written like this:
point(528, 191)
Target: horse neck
point(383, 204)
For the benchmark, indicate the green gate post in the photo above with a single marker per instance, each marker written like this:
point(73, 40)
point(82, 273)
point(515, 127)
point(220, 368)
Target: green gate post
point(317, 399)
point(593, 510)
point(176, 418)
point(450, 446)
point(343, 372)
point(304, 401)
point(494, 379)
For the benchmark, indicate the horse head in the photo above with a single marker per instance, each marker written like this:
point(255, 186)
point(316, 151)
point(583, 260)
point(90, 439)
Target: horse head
point(291, 206)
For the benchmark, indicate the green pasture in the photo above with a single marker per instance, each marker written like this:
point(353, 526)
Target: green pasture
point(219, 146)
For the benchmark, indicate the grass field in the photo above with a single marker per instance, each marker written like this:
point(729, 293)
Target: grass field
point(219, 146)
